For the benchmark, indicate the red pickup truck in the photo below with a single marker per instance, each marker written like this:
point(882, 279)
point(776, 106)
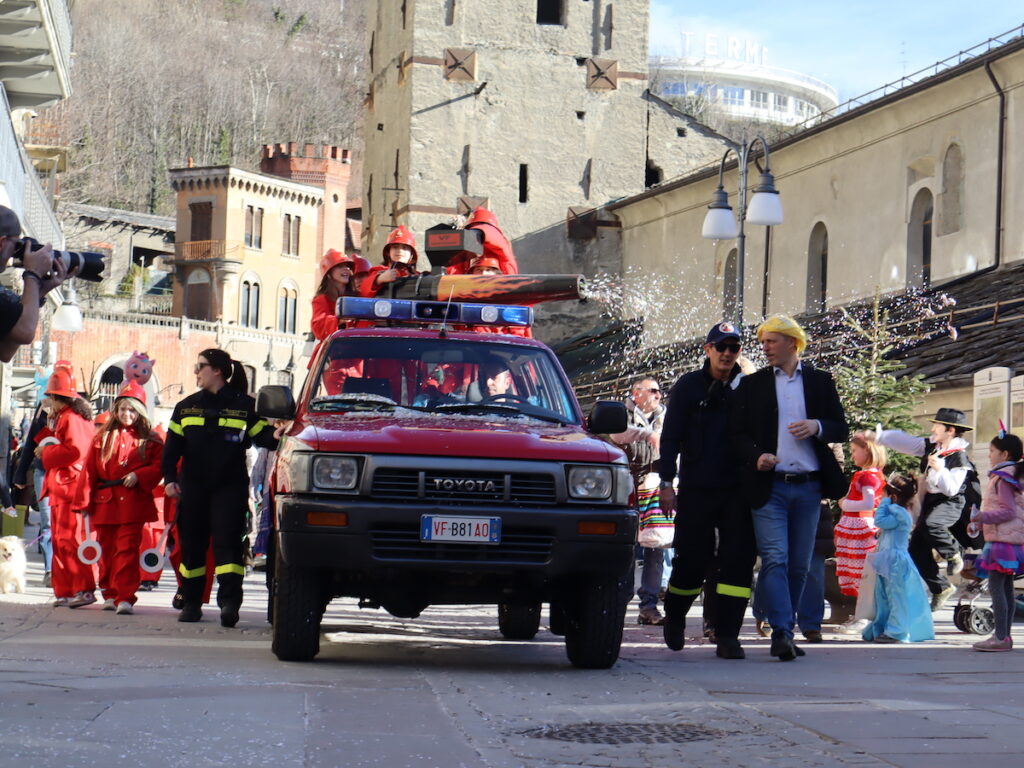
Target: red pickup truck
point(428, 467)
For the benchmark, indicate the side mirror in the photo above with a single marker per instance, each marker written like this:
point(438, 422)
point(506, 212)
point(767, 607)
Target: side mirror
point(275, 402)
point(607, 417)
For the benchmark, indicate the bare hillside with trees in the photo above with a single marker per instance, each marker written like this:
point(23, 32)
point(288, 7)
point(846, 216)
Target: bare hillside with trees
point(157, 82)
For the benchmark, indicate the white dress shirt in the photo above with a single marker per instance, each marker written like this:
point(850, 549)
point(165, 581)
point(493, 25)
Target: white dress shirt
point(794, 455)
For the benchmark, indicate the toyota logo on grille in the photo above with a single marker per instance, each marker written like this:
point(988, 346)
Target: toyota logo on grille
point(469, 484)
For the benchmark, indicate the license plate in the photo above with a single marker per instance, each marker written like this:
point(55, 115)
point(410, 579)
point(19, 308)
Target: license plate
point(480, 530)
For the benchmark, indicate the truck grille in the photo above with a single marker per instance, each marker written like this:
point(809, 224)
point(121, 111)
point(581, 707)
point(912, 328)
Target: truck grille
point(464, 487)
point(517, 546)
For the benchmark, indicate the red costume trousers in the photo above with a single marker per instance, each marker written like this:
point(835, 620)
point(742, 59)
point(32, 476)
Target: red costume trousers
point(119, 565)
point(70, 575)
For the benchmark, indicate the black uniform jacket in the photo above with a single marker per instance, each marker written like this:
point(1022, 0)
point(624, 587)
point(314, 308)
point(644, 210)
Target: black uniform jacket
point(210, 433)
point(755, 425)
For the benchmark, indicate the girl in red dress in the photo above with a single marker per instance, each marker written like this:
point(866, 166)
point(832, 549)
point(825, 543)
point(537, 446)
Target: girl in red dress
point(855, 532)
point(121, 472)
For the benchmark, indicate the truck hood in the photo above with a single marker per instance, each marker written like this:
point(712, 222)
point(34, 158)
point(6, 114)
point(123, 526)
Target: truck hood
point(449, 435)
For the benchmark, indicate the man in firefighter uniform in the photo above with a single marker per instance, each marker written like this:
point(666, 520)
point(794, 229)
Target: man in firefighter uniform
point(209, 432)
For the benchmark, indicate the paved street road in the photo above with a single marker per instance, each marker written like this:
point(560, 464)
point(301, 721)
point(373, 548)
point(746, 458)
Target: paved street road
point(88, 688)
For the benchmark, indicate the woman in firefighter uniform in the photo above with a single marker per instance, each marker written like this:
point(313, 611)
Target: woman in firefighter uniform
point(121, 472)
point(210, 431)
point(62, 449)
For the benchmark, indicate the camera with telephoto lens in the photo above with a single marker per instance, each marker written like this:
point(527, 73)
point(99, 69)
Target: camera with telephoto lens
point(90, 265)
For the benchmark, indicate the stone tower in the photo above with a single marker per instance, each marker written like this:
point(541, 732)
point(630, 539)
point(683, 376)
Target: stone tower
point(530, 107)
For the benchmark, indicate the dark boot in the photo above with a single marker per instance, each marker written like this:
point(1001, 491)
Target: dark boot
point(191, 612)
point(228, 615)
point(674, 628)
point(782, 647)
point(729, 648)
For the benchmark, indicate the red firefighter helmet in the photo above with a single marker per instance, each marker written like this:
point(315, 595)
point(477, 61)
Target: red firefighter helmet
point(333, 258)
point(400, 236)
point(360, 266)
point(101, 418)
point(133, 389)
point(482, 262)
point(62, 382)
point(482, 216)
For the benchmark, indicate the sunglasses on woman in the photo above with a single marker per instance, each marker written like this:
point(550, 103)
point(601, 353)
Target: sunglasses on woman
point(198, 367)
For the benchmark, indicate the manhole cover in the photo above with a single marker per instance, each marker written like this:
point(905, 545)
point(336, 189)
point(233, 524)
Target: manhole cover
point(625, 733)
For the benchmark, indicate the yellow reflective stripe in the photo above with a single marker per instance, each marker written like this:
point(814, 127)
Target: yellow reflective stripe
point(175, 427)
point(191, 573)
point(193, 421)
point(231, 423)
point(256, 428)
point(685, 592)
point(730, 591)
point(229, 568)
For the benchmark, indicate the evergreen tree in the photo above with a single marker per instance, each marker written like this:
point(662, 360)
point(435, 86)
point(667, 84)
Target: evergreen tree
point(867, 381)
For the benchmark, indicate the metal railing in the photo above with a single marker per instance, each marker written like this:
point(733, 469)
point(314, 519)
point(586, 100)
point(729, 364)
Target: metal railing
point(206, 250)
point(58, 16)
point(27, 197)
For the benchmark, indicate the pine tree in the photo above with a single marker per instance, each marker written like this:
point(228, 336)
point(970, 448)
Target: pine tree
point(867, 381)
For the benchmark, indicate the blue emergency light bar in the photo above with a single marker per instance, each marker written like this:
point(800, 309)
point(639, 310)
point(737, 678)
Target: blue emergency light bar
point(409, 311)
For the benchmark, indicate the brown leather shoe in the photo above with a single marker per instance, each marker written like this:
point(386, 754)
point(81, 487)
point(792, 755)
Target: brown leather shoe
point(813, 636)
point(650, 616)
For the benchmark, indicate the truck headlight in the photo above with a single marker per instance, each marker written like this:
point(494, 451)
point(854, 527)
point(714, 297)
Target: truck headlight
point(337, 473)
point(590, 482)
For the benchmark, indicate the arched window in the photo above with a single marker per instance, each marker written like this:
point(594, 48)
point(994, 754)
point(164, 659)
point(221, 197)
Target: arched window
point(919, 240)
point(730, 308)
point(952, 200)
point(287, 307)
point(197, 294)
point(817, 269)
point(249, 301)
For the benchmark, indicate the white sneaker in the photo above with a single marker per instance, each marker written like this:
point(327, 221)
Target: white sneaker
point(109, 604)
point(60, 602)
point(124, 607)
point(853, 626)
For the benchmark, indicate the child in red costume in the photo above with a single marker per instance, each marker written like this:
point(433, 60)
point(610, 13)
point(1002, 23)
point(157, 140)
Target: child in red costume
point(855, 532)
point(399, 257)
point(62, 449)
point(122, 470)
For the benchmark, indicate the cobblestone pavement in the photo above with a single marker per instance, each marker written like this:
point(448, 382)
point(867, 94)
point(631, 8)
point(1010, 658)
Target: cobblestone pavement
point(86, 687)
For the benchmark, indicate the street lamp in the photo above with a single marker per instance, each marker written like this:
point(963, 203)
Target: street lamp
point(765, 209)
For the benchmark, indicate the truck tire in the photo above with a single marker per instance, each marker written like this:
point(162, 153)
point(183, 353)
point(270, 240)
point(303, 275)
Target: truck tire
point(556, 619)
point(298, 610)
point(519, 621)
point(593, 629)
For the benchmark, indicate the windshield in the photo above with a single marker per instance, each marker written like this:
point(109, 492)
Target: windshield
point(443, 376)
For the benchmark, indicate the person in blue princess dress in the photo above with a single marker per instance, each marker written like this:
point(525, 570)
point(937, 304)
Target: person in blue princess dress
point(902, 610)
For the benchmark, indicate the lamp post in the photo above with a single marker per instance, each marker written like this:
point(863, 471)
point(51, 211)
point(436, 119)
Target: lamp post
point(765, 209)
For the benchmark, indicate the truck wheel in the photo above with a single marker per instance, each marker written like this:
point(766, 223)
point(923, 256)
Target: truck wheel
point(271, 579)
point(519, 621)
point(593, 630)
point(299, 604)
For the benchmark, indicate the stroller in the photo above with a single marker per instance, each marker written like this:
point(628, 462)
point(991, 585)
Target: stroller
point(973, 611)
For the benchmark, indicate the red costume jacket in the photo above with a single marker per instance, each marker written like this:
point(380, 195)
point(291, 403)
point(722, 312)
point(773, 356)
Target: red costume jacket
point(117, 504)
point(63, 462)
point(496, 246)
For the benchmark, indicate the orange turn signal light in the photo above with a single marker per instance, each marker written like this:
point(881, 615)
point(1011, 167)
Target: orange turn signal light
point(337, 519)
point(594, 528)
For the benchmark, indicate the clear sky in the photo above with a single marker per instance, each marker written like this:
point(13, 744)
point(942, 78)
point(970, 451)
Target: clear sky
point(854, 46)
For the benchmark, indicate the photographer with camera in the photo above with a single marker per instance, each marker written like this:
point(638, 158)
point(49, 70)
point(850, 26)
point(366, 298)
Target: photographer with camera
point(42, 272)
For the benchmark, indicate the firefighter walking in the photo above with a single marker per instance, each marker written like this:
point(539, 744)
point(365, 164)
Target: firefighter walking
point(209, 432)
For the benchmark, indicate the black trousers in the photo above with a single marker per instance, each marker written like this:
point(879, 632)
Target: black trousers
point(704, 517)
point(216, 512)
point(932, 532)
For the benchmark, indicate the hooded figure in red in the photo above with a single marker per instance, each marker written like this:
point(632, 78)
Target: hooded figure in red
point(497, 248)
point(62, 448)
point(122, 470)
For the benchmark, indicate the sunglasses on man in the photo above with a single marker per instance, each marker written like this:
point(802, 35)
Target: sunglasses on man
point(732, 346)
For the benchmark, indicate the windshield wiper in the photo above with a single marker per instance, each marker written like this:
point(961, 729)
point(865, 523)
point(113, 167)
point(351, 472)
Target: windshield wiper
point(501, 409)
point(353, 402)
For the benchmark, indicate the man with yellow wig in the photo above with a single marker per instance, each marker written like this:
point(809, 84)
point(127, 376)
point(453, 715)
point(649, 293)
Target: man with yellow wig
point(784, 416)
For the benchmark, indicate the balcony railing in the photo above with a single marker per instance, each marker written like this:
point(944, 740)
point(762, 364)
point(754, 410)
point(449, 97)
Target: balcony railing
point(35, 40)
point(208, 250)
point(20, 182)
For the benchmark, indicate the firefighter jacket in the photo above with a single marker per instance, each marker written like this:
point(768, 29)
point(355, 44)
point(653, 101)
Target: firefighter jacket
point(210, 432)
point(325, 321)
point(114, 504)
point(64, 460)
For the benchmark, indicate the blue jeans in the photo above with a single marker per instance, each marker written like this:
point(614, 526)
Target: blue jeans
point(785, 529)
point(653, 565)
point(45, 543)
point(811, 608)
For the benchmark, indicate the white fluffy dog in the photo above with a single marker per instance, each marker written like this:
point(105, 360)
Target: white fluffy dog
point(12, 564)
